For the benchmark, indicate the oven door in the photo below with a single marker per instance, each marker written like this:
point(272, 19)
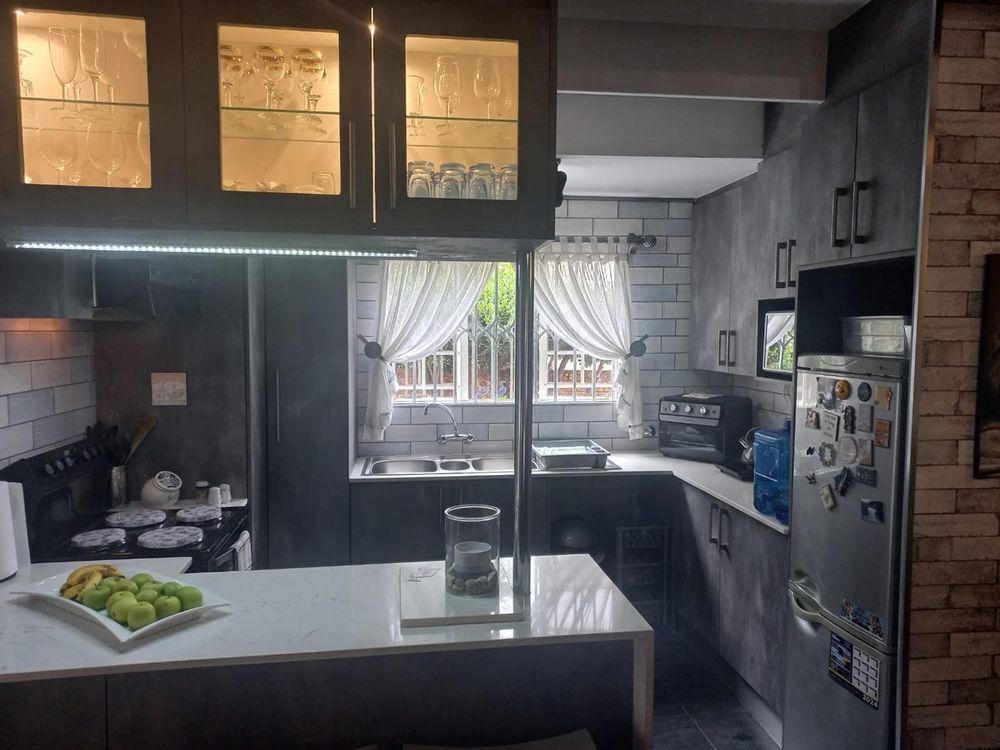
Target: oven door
point(698, 442)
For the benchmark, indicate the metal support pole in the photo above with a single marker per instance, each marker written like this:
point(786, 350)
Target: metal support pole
point(524, 307)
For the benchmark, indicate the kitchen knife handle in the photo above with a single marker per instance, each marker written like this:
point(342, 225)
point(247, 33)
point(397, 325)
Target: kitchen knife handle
point(277, 406)
point(712, 514)
point(723, 543)
point(801, 612)
point(731, 348)
point(778, 283)
point(352, 165)
point(392, 166)
point(838, 193)
point(722, 346)
point(788, 272)
point(856, 188)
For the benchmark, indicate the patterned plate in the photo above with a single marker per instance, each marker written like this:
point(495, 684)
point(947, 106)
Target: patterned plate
point(98, 538)
point(134, 519)
point(200, 514)
point(170, 537)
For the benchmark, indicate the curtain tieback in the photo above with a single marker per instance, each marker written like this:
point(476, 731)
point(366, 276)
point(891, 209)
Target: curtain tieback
point(373, 349)
point(637, 348)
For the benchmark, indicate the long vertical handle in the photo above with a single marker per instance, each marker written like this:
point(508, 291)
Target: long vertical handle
point(856, 188)
point(731, 348)
point(712, 514)
point(352, 165)
point(722, 346)
point(788, 273)
point(723, 543)
point(392, 166)
point(277, 406)
point(778, 283)
point(838, 193)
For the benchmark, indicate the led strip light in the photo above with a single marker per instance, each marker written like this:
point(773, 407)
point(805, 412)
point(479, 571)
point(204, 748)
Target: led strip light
point(212, 250)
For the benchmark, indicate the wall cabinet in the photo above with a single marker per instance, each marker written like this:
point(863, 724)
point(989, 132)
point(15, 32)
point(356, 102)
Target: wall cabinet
point(728, 575)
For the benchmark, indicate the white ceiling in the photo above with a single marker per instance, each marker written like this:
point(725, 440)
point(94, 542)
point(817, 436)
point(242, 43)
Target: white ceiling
point(651, 176)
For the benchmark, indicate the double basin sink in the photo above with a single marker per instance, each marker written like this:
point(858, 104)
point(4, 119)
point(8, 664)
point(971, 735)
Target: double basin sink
point(442, 465)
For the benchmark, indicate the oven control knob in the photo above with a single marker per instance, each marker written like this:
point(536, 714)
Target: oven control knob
point(702, 410)
point(673, 407)
point(687, 409)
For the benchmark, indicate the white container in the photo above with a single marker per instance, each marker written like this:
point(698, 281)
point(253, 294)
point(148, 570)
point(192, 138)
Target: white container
point(162, 490)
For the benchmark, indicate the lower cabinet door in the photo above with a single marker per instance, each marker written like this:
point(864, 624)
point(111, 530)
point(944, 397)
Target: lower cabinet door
point(753, 574)
point(695, 564)
point(397, 521)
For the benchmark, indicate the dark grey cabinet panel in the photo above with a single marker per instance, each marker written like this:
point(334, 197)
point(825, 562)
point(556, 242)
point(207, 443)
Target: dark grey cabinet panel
point(714, 239)
point(694, 563)
point(826, 173)
point(307, 356)
point(753, 571)
point(889, 163)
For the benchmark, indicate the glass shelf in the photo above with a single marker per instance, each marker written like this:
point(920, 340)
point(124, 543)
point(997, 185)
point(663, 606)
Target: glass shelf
point(287, 125)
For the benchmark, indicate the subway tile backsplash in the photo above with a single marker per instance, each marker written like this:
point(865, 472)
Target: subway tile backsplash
point(47, 388)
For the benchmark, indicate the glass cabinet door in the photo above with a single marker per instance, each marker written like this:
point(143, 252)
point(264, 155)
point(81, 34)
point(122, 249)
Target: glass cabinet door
point(275, 119)
point(89, 142)
point(462, 114)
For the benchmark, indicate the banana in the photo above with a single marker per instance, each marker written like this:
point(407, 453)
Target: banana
point(93, 580)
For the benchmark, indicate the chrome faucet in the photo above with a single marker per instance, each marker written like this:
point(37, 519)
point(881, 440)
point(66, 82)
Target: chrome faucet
point(456, 436)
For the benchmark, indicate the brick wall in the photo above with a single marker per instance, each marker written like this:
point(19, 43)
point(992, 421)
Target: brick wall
point(954, 649)
point(47, 389)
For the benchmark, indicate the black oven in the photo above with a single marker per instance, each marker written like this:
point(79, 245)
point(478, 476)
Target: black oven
point(704, 427)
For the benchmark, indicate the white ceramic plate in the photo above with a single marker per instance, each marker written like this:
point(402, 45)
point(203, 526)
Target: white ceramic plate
point(47, 590)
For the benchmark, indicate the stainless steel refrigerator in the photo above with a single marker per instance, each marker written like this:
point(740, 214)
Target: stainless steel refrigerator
point(845, 523)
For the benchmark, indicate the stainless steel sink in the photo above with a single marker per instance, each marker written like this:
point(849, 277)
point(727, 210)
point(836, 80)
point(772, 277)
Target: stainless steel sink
point(402, 466)
point(493, 463)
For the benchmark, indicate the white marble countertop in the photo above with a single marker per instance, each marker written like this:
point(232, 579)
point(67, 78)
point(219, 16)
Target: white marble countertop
point(307, 613)
point(703, 476)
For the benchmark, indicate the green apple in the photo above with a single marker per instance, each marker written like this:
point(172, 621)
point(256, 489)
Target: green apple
point(120, 609)
point(140, 615)
point(190, 597)
point(142, 578)
point(147, 595)
point(170, 588)
point(126, 585)
point(96, 597)
point(166, 606)
point(116, 597)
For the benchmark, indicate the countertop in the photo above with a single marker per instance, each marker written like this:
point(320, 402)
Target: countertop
point(703, 476)
point(304, 614)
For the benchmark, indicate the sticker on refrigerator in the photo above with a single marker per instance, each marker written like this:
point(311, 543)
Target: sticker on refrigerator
point(812, 419)
point(865, 412)
point(883, 396)
point(831, 424)
point(872, 511)
point(864, 391)
point(865, 475)
point(865, 452)
point(883, 433)
point(850, 420)
point(855, 669)
point(863, 618)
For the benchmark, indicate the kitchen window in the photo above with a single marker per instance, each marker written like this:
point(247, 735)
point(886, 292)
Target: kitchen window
point(476, 364)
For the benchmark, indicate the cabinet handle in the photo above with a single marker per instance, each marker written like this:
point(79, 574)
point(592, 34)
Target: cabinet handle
point(722, 346)
point(723, 544)
point(838, 193)
point(731, 349)
point(778, 283)
point(788, 273)
point(857, 187)
point(277, 406)
point(392, 165)
point(352, 165)
point(713, 513)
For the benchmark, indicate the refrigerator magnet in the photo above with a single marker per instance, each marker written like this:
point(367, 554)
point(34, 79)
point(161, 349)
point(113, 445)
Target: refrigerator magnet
point(848, 450)
point(831, 424)
point(865, 452)
point(850, 420)
point(864, 392)
point(872, 511)
point(883, 396)
point(865, 475)
point(812, 419)
point(842, 389)
point(827, 454)
point(883, 433)
point(842, 481)
point(865, 414)
point(826, 497)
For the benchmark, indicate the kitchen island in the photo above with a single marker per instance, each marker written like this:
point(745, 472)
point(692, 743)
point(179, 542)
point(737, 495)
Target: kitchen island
point(317, 657)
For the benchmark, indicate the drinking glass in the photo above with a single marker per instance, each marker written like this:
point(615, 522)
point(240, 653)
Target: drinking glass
point(64, 54)
point(482, 182)
point(26, 86)
point(486, 83)
point(111, 75)
point(269, 64)
point(135, 40)
point(93, 54)
point(230, 71)
point(508, 182)
point(447, 87)
point(415, 103)
point(420, 179)
point(308, 69)
point(451, 182)
point(59, 149)
point(106, 149)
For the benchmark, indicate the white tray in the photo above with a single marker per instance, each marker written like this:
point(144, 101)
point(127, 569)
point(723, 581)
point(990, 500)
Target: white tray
point(47, 590)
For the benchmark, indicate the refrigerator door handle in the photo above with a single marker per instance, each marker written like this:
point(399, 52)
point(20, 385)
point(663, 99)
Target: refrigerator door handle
point(801, 612)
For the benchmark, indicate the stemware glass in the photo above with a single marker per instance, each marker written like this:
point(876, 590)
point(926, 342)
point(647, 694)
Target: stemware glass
point(230, 71)
point(106, 149)
point(93, 54)
point(64, 54)
point(486, 83)
point(415, 103)
point(59, 149)
point(135, 40)
point(308, 69)
point(26, 86)
point(269, 64)
point(447, 87)
point(111, 74)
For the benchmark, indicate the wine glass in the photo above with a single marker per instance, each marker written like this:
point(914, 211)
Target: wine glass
point(486, 83)
point(64, 55)
point(111, 74)
point(447, 87)
point(269, 64)
point(93, 54)
point(26, 86)
point(135, 40)
point(415, 103)
point(106, 149)
point(230, 71)
point(308, 69)
point(59, 149)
